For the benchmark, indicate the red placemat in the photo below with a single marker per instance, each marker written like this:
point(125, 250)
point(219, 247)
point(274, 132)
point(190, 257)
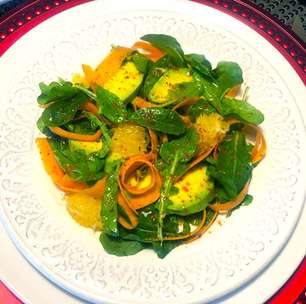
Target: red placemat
point(18, 22)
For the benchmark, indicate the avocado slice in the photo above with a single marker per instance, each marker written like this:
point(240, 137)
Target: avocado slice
point(85, 146)
point(126, 82)
point(175, 85)
point(195, 192)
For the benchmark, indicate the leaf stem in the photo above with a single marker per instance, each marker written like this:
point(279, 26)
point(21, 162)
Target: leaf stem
point(164, 196)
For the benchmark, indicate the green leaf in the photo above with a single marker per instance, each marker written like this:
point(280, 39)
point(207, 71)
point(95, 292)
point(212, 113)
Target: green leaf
point(109, 210)
point(159, 119)
point(200, 63)
point(164, 248)
point(61, 112)
point(169, 45)
point(111, 106)
point(200, 108)
point(246, 202)
point(233, 167)
point(211, 93)
point(77, 164)
point(242, 110)
point(107, 141)
point(186, 147)
point(228, 75)
point(120, 247)
point(141, 62)
point(56, 91)
point(156, 71)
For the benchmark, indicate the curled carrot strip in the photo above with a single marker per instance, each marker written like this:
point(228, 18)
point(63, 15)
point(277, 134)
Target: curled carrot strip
point(197, 160)
point(97, 189)
point(233, 92)
point(224, 207)
point(202, 230)
point(150, 51)
point(133, 220)
point(260, 148)
point(215, 152)
point(186, 120)
point(186, 102)
point(89, 74)
point(82, 137)
point(147, 198)
point(60, 179)
point(139, 102)
point(90, 107)
point(191, 233)
point(129, 167)
point(110, 65)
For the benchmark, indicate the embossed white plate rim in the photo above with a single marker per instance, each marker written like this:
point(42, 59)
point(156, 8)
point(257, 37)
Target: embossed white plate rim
point(65, 282)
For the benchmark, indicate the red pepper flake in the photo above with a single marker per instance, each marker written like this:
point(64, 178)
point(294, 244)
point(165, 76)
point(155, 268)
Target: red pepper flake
point(185, 189)
point(219, 222)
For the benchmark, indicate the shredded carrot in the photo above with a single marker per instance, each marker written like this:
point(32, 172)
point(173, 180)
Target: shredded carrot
point(90, 107)
point(224, 207)
point(110, 65)
point(97, 189)
point(60, 179)
point(89, 74)
point(82, 137)
point(147, 198)
point(202, 230)
point(186, 120)
point(186, 102)
point(197, 160)
point(133, 220)
point(215, 152)
point(130, 167)
point(151, 51)
point(260, 147)
point(139, 102)
point(233, 92)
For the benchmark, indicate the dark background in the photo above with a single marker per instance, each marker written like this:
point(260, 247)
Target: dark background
point(290, 12)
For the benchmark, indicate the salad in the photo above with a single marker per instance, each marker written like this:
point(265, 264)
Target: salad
point(151, 145)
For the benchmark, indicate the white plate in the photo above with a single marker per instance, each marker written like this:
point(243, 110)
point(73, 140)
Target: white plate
point(32, 288)
point(35, 215)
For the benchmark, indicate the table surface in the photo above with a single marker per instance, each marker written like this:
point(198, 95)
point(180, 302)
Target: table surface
point(293, 15)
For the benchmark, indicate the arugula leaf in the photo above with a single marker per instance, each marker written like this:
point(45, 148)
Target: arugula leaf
point(107, 140)
point(61, 112)
point(186, 147)
point(200, 63)
point(141, 62)
point(169, 45)
point(56, 91)
point(164, 248)
point(111, 106)
point(109, 210)
point(120, 247)
point(159, 119)
point(77, 164)
point(242, 110)
point(199, 108)
point(156, 71)
point(211, 93)
point(233, 167)
point(164, 195)
point(228, 74)
point(246, 202)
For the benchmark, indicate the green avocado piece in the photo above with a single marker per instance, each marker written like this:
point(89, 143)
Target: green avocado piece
point(194, 193)
point(126, 82)
point(175, 85)
point(87, 147)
